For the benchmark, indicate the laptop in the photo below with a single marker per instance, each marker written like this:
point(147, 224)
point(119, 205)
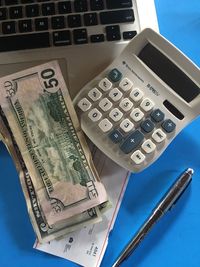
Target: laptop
point(83, 35)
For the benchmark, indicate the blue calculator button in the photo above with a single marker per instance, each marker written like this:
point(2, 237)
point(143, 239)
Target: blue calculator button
point(132, 141)
point(157, 115)
point(115, 75)
point(147, 126)
point(115, 136)
point(168, 126)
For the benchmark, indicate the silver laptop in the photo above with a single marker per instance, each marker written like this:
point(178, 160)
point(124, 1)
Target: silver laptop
point(84, 35)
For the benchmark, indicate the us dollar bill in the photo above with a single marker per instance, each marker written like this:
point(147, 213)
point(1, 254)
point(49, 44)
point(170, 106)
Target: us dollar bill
point(44, 232)
point(41, 116)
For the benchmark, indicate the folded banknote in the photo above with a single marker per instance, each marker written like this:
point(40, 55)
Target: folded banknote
point(41, 130)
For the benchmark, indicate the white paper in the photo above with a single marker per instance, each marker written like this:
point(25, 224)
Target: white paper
point(87, 246)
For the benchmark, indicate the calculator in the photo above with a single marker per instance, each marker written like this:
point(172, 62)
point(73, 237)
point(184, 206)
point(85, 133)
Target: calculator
point(141, 101)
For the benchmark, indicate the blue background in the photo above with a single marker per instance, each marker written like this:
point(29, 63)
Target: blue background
point(175, 240)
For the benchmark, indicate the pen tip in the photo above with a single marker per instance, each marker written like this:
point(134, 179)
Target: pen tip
point(190, 171)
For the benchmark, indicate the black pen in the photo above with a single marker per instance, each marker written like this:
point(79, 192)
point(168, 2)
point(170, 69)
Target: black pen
point(165, 204)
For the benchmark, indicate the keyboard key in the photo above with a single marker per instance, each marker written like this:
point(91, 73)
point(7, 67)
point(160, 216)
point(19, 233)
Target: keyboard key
point(105, 125)
point(74, 21)
point(126, 125)
point(94, 114)
point(115, 94)
point(125, 84)
point(147, 126)
point(105, 84)
point(90, 19)
point(112, 4)
point(27, 1)
point(138, 157)
point(84, 104)
point(137, 114)
point(32, 10)
point(157, 115)
point(132, 141)
point(80, 36)
point(129, 35)
point(48, 9)
point(113, 33)
point(159, 136)
point(105, 104)
point(97, 38)
point(126, 104)
point(115, 75)
point(24, 41)
point(58, 22)
point(25, 25)
point(168, 126)
point(61, 38)
point(3, 13)
point(96, 5)
point(148, 146)
point(94, 94)
point(136, 94)
point(80, 5)
point(11, 2)
point(64, 7)
point(147, 104)
point(117, 16)
point(115, 114)
point(41, 24)
point(8, 27)
point(15, 12)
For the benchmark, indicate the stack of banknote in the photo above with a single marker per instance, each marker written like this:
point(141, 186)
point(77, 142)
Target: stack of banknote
point(41, 131)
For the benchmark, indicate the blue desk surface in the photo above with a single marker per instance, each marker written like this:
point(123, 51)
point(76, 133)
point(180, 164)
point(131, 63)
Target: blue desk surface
point(175, 240)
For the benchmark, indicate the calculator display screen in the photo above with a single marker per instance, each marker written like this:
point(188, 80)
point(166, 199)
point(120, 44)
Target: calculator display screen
point(169, 72)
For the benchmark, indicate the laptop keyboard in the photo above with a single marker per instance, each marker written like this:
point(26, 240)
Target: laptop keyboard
point(28, 24)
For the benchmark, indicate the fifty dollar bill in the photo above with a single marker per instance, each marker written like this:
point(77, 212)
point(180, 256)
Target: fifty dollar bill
point(44, 232)
point(40, 114)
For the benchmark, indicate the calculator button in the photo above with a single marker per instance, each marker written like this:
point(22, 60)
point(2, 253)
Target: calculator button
point(147, 126)
point(137, 114)
point(147, 104)
point(132, 141)
point(126, 104)
point(115, 75)
point(94, 114)
point(84, 104)
point(148, 146)
point(157, 115)
point(105, 125)
point(125, 84)
point(115, 136)
point(105, 84)
point(115, 94)
point(115, 114)
point(105, 104)
point(136, 94)
point(159, 135)
point(138, 157)
point(168, 126)
point(126, 125)
point(94, 94)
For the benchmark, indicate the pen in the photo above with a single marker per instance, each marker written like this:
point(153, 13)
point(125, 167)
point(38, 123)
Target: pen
point(164, 205)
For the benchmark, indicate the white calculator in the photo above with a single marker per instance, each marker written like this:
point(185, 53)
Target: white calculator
point(138, 104)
